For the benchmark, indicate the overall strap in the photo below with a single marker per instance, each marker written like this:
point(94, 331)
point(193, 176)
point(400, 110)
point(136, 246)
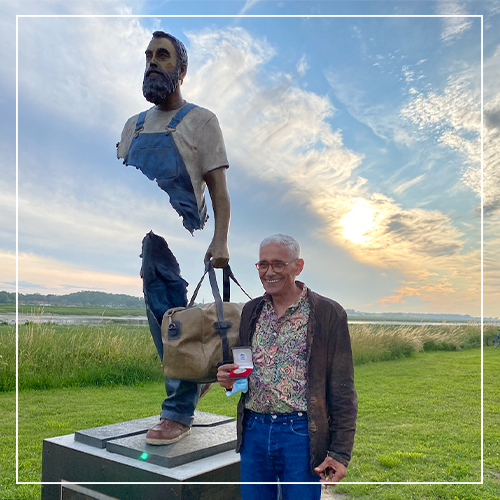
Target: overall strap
point(173, 122)
point(181, 114)
point(140, 121)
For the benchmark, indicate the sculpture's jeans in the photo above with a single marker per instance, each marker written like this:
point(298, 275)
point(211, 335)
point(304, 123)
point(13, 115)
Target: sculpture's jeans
point(182, 396)
point(276, 448)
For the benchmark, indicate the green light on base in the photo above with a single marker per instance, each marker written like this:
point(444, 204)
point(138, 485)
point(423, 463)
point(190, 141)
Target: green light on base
point(144, 456)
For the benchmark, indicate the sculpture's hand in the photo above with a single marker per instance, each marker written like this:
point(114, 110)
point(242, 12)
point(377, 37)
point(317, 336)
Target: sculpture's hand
point(218, 250)
point(219, 253)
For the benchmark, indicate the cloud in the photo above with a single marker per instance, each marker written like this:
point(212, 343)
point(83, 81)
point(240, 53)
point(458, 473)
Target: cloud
point(248, 5)
point(274, 129)
point(94, 219)
point(491, 172)
point(276, 134)
point(302, 66)
point(381, 117)
point(452, 115)
point(280, 134)
point(491, 142)
point(451, 298)
point(46, 274)
point(71, 69)
point(412, 240)
point(491, 272)
point(453, 27)
point(423, 292)
point(7, 212)
point(452, 118)
point(405, 185)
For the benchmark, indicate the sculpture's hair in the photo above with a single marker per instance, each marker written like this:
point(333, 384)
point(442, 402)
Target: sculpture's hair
point(182, 57)
point(283, 240)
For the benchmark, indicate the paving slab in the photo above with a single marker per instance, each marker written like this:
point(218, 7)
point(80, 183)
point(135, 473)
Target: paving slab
point(100, 436)
point(203, 442)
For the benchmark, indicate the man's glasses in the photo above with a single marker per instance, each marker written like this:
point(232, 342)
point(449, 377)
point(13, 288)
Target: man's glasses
point(277, 266)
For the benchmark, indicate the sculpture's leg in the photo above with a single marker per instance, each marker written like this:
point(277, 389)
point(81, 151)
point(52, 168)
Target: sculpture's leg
point(165, 288)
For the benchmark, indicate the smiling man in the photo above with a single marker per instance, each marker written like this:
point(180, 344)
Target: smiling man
point(179, 145)
point(297, 420)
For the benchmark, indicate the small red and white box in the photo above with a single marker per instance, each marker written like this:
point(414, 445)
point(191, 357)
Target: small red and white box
point(242, 356)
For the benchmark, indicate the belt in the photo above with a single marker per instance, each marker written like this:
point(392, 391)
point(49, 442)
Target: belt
point(275, 417)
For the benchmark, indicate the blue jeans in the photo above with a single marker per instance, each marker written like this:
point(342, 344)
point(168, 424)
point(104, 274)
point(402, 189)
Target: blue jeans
point(182, 396)
point(164, 288)
point(275, 448)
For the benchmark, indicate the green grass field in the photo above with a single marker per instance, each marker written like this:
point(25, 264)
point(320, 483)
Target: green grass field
point(53, 356)
point(419, 420)
point(419, 415)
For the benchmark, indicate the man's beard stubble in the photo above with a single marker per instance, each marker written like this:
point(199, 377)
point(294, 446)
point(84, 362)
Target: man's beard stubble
point(158, 88)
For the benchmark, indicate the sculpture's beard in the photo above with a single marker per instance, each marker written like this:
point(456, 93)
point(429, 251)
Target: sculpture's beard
point(157, 88)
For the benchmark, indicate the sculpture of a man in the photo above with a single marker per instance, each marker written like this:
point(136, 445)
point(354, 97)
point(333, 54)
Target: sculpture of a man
point(180, 145)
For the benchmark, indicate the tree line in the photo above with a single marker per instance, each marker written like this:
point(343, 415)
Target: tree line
point(85, 298)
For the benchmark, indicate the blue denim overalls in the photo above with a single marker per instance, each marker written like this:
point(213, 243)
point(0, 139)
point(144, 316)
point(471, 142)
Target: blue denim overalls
point(158, 157)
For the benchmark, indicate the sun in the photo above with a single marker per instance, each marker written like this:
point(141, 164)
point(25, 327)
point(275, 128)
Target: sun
point(358, 221)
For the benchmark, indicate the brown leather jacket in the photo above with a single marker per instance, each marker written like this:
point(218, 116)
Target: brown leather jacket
point(331, 398)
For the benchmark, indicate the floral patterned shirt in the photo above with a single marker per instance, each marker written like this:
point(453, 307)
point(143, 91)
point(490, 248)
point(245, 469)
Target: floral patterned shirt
point(279, 349)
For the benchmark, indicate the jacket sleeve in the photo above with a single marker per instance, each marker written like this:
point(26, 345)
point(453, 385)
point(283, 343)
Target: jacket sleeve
point(342, 403)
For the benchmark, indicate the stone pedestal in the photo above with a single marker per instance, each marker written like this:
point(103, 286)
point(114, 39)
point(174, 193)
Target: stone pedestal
point(115, 462)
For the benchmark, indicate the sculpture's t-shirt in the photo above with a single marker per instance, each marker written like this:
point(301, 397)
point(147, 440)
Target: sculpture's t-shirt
point(198, 137)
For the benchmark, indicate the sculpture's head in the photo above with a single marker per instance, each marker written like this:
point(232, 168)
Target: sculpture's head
point(166, 67)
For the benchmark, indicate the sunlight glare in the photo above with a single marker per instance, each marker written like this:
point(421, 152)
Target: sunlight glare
point(357, 222)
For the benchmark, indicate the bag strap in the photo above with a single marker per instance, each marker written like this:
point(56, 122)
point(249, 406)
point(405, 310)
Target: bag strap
point(226, 274)
point(226, 289)
point(221, 325)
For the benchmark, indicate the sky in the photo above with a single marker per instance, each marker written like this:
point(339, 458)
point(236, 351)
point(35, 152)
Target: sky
point(354, 127)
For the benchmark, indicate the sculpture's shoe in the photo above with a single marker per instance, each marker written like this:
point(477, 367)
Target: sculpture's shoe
point(167, 432)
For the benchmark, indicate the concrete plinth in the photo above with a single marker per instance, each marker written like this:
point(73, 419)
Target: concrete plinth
point(112, 457)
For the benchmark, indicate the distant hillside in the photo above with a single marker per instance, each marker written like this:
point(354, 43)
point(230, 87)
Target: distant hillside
point(86, 298)
point(113, 300)
point(415, 316)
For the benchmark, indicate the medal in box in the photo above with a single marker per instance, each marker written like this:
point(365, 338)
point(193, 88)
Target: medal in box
point(242, 356)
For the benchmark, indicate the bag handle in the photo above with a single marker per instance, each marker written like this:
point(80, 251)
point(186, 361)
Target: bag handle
point(227, 274)
point(221, 325)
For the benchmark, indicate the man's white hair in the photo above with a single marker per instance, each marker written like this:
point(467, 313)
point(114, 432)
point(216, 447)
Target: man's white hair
point(285, 241)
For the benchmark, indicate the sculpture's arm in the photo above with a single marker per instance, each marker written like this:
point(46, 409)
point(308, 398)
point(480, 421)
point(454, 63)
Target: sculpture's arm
point(217, 188)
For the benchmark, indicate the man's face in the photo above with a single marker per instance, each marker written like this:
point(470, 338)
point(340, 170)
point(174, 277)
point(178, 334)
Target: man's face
point(162, 74)
point(282, 283)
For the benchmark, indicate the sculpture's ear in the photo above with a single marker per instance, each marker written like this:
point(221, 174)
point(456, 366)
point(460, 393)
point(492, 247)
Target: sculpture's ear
point(183, 71)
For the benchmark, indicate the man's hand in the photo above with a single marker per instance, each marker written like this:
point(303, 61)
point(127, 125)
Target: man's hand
point(330, 471)
point(219, 253)
point(223, 375)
